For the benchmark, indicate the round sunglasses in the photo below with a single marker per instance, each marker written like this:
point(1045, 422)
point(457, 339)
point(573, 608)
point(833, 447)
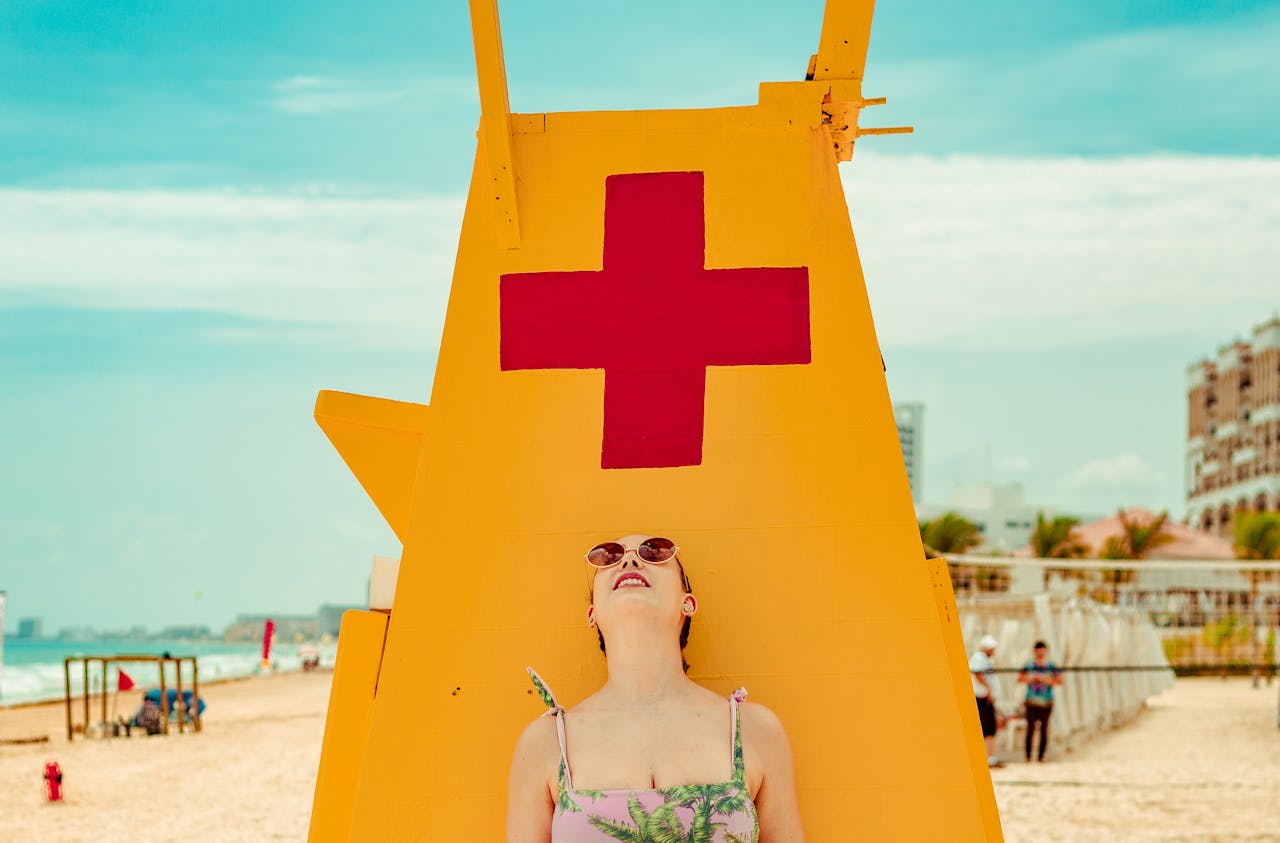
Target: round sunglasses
point(655, 551)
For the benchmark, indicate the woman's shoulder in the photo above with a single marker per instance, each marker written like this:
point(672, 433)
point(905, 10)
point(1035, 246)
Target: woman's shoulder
point(765, 746)
point(538, 740)
point(760, 722)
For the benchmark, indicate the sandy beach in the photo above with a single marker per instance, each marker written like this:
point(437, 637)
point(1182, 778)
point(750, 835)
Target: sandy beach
point(1201, 764)
point(248, 776)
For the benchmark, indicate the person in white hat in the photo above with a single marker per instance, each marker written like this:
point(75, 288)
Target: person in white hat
point(985, 686)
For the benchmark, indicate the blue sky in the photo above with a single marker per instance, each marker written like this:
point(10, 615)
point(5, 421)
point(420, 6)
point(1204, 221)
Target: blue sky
point(210, 210)
point(129, 94)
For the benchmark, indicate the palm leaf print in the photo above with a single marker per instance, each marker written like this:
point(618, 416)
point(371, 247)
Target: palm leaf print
point(616, 830)
point(709, 809)
point(661, 825)
point(543, 691)
point(730, 800)
point(702, 830)
point(565, 802)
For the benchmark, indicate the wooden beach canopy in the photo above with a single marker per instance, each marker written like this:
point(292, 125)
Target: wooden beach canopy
point(161, 663)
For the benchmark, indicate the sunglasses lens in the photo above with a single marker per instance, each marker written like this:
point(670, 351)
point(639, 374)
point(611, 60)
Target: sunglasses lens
point(657, 550)
point(604, 555)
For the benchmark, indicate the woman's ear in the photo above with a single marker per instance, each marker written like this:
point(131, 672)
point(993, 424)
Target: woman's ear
point(690, 605)
point(591, 617)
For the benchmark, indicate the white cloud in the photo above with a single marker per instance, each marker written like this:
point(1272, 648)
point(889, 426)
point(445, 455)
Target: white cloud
point(1013, 464)
point(378, 266)
point(982, 252)
point(1201, 85)
point(1122, 473)
point(1099, 485)
point(325, 94)
point(1024, 253)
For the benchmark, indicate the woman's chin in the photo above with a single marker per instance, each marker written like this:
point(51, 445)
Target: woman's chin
point(634, 597)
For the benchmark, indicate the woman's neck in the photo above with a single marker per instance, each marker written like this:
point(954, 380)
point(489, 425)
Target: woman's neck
point(640, 668)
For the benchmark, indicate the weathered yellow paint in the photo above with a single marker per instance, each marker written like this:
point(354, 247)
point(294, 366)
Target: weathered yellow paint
point(347, 725)
point(797, 527)
point(949, 619)
point(842, 46)
point(379, 440)
point(495, 119)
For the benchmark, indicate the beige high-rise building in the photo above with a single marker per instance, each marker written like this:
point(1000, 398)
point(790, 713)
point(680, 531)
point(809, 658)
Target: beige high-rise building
point(910, 418)
point(1233, 433)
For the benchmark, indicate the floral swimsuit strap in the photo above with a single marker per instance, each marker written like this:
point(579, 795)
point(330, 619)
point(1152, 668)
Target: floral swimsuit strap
point(739, 768)
point(554, 709)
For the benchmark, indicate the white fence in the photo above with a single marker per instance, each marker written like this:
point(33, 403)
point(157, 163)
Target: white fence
point(1081, 634)
point(1211, 614)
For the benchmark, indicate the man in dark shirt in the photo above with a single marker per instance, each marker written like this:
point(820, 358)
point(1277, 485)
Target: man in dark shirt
point(1040, 676)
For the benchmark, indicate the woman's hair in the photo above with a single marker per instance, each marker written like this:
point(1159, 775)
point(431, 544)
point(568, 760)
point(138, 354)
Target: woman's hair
point(684, 627)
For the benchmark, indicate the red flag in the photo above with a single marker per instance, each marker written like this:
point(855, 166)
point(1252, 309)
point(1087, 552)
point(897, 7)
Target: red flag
point(124, 682)
point(268, 631)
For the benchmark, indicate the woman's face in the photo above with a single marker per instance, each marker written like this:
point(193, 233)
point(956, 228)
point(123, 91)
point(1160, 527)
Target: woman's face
point(636, 587)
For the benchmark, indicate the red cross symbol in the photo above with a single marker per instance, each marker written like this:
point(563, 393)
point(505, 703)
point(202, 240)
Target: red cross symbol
point(654, 319)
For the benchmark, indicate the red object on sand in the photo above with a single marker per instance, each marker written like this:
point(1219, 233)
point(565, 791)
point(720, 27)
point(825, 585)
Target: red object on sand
point(124, 682)
point(52, 781)
point(268, 633)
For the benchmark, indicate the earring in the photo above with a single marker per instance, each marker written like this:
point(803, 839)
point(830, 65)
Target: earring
point(591, 617)
point(690, 606)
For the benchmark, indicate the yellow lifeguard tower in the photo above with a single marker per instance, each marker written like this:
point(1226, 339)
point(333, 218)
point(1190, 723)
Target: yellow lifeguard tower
point(658, 321)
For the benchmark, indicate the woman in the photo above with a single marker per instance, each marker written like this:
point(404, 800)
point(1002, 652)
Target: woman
point(652, 752)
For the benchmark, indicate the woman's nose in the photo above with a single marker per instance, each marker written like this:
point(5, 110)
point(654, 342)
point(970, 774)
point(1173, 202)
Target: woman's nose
point(633, 557)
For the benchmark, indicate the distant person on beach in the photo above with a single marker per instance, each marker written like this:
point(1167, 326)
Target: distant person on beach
point(1040, 676)
point(149, 717)
point(985, 686)
point(651, 755)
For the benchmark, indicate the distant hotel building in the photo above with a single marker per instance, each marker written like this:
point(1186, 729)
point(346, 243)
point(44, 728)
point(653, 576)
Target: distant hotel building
point(1233, 432)
point(30, 629)
point(910, 418)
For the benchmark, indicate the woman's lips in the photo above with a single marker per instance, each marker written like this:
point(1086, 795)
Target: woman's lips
point(630, 580)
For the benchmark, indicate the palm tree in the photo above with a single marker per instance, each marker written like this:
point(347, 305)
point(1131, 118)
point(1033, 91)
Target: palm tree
point(1140, 535)
point(1115, 547)
point(950, 533)
point(1143, 534)
point(1056, 539)
point(1257, 537)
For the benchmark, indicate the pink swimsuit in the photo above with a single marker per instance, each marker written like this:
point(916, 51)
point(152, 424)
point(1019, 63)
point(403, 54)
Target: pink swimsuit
point(698, 813)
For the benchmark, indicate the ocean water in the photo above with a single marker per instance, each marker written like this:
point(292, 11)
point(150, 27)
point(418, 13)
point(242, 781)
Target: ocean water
point(32, 670)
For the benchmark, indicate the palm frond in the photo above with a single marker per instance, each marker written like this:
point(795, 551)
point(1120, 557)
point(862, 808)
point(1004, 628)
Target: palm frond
point(1257, 535)
point(730, 802)
point(950, 533)
point(616, 830)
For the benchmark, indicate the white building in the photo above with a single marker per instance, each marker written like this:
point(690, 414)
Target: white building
point(910, 418)
point(999, 509)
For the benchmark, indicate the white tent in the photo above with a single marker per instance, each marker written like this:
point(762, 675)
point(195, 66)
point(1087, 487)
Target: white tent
point(1094, 642)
